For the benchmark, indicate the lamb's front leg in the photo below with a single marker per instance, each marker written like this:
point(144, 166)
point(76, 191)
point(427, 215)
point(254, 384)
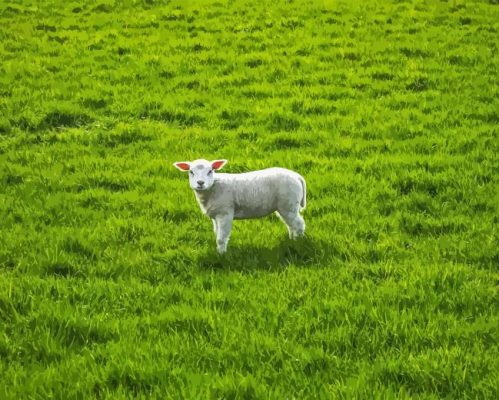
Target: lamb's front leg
point(224, 227)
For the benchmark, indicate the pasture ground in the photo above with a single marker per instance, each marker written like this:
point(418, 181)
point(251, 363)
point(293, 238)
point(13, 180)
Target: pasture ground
point(110, 286)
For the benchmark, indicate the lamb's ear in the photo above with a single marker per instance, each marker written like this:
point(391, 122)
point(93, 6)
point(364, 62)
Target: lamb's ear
point(218, 164)
point(183, 165)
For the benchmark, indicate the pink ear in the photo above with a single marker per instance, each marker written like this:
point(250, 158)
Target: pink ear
point(183, 166)
point(216, 165)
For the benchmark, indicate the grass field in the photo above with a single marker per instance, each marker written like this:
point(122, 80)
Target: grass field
point(110, 285)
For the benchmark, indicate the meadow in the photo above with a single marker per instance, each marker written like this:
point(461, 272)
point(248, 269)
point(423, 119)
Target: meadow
point(110, 284)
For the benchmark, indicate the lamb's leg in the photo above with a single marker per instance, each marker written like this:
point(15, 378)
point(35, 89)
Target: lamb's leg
point(224, 227)
point(290, 231)
point(214, 225)
point(294, 222)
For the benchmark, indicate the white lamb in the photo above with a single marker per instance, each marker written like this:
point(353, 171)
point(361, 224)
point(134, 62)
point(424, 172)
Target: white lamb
point(224, 197)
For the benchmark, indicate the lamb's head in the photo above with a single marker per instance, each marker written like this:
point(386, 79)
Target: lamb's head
point(201, 172)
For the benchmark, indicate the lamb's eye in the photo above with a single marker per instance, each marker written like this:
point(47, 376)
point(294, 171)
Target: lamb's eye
point(210, 171)
point(192, 173)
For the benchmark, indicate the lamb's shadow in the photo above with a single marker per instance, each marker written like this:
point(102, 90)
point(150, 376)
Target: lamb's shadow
point(305, 251)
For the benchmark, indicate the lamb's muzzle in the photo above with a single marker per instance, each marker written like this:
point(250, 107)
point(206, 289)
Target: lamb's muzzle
point(225, 197)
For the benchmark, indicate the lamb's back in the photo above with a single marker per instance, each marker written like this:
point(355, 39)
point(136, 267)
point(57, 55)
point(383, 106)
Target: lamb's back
point(257, 193)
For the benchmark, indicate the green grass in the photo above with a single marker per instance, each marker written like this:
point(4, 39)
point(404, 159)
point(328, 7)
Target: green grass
point(110, 285)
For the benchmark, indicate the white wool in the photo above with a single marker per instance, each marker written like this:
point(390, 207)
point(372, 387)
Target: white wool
point(224, 197)
point(253, 194)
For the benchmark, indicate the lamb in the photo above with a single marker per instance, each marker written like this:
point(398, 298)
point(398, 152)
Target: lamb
point(225, 197)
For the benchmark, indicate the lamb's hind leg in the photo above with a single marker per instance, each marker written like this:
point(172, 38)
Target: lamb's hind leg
point(294, 221)
point(290, 231)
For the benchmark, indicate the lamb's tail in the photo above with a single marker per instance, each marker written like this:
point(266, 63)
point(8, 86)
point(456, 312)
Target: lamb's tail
point(303, 202)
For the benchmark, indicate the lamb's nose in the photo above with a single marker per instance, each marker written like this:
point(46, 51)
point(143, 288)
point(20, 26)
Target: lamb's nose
point(200, 183)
